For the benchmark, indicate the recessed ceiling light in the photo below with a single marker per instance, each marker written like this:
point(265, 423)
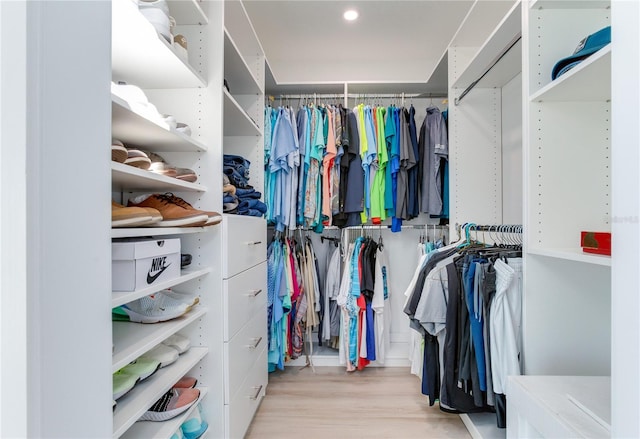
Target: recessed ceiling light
point(350, 15)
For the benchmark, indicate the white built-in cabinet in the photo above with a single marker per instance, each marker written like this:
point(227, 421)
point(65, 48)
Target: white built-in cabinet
point(186, 89)
point(244, 238)
point(230, 364)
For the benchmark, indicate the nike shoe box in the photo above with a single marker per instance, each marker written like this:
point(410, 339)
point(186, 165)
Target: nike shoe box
point(141, 263)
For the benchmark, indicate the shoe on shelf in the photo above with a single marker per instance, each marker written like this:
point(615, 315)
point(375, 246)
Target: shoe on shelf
point(213, 217)
point(185, 260)
point(195, 426)
point(137, 159)
point(178, 342)
point(122, 216)
point(129, 216)
point(173, 215)
point(183, 128)
point(143, 368)
point(157, 13)
point(186, 383)
point(171, 404)
point(160, 166)
point(138, 102)
point(123, 383)
point(186, 174)
point(180, 47)
point(118, 151)
point(158, 307)
point(171, 121)
point(163, 354)
point(187, 299)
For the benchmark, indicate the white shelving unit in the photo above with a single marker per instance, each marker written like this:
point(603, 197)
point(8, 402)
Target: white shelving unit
point(190, 92)
point(487, 115)
point(564, 119)
point(244, 238)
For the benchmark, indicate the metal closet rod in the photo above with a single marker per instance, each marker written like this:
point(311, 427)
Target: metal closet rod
point(493, 64)
point(499, 228)
point(361, 95)
point(387, 226)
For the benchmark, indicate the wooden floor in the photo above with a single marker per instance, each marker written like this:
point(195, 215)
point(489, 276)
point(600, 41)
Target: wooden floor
point(333, 404)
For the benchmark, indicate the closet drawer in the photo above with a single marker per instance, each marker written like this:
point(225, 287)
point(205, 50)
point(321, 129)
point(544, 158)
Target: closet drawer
point(244, 404)
point(245, 243)
point(242, 352)
point(244, 295)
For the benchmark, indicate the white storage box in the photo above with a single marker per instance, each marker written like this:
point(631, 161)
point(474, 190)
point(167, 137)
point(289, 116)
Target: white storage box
point(138, 264)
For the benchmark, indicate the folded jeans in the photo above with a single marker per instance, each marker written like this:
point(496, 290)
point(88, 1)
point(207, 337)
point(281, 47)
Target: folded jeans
point(258, 205)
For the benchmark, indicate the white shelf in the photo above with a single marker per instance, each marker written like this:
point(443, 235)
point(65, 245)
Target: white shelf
point(120, 298)
point(129, 178)
point(588, 81)
point(162, 430)
point(140, 56)
point(238, 74)
point(133, 405)
point(572, 254)
point(239, 26)
point(187, 12)
point(509, 66)
point(131, 340)
point(156, 231)
point(483, 426)
point(236, 120)
point(571, 4)
point(133, 128)
point(483, 16)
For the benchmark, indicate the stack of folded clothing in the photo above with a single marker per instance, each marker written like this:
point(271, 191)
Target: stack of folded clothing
point(240, 197)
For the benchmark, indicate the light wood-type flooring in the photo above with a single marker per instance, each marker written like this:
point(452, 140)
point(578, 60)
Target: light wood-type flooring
point(331, 403)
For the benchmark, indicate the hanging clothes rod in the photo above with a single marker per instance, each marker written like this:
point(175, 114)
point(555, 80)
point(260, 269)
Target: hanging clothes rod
point(499, 228)
point(493, 64)
point(386, 226)
point(359, 95)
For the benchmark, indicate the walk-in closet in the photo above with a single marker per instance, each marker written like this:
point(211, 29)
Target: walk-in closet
point(378, 219)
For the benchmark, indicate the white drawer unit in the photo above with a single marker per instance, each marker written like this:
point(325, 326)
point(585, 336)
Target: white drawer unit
point(242, 353)
point(244, 295)
point(244, 243)
point(239, 412)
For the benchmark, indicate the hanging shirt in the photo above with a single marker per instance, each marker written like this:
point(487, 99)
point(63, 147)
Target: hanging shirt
point(413, 201)
point(378, 213)
point(284, 144)
point(328, 169)
point(354, 199)
point(436, 147)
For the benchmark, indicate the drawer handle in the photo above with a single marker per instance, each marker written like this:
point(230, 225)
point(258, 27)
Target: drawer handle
point(258, 391)
point(254, 243)
point(254, 293)
point(255, 345)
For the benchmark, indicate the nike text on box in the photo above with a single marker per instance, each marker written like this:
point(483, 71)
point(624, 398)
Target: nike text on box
point(139, 263)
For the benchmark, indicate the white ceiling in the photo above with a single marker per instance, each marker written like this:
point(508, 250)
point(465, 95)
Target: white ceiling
point(400, 42)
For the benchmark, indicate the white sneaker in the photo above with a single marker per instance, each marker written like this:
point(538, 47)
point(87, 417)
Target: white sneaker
point(156, 308)
point(178, 342)
point(157, 12)
point(163, 354)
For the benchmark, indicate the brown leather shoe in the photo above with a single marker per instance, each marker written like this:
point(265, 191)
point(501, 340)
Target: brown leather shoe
point(173, 215)
point(213, 217)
